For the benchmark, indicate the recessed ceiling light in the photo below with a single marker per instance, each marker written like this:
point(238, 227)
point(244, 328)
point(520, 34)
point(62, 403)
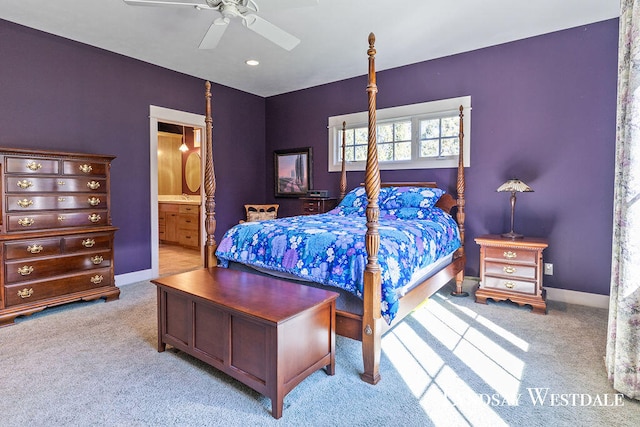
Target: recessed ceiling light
point(252, 62)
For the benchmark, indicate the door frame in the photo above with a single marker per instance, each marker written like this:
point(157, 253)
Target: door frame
point(183, 118)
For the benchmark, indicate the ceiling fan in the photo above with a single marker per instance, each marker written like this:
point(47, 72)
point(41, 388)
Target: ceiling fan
point(246, 10)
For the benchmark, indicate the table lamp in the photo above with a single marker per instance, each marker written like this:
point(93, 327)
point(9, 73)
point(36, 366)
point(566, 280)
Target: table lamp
point(513, 186)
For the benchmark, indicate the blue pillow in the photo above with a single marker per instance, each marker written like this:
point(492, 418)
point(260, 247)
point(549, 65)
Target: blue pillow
point(411, 197)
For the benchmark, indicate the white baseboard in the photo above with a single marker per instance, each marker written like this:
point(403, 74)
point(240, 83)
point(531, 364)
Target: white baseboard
point(555, 294)
point(133, 277)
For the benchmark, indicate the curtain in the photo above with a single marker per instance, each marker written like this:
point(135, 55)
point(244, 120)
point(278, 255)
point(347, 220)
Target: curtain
point(623, 340)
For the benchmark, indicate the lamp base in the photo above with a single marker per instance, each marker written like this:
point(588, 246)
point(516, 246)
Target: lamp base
point(512, 235)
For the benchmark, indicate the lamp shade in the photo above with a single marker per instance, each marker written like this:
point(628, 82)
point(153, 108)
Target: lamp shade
point(516, 185)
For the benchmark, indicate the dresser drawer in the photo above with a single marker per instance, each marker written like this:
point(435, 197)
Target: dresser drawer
point(28, 165)
point(510, 285)
point(87, 242)
point(32, 248)
point(55, 202)
point(26, 184)
point(24, 293)
point(511, 254)
point(188, 209)
point(50, 220)
point(516, 271)
point(188, 238)
point(26, 270)
point(80, 167)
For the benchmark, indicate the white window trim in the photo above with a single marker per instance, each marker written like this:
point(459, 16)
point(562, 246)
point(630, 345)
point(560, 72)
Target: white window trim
point(432, 108)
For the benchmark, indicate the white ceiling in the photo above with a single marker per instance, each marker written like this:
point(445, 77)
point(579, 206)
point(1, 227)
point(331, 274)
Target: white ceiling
point(333, 33)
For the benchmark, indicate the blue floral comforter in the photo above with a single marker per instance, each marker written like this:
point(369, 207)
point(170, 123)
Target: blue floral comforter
point(330, 248)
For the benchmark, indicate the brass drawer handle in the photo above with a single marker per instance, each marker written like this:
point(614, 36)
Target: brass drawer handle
point(61, 218)
point(85, 168)
point(24, 203)
point(26, 222)
point(94, 218)
point(509, 269)
point(96, 260)
point(33, 166)
point(510, 254)
point(93, 201)
point(94, 185)
point(97, 279)
point(62, 199)
point(24, 184)
point(25, 293)
point(509, 285)
point(61, 183)
point(34, 249)
point(25, 270)
point(88, 243)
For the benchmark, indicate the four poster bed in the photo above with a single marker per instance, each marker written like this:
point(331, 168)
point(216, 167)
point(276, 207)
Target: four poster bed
point(363, 229)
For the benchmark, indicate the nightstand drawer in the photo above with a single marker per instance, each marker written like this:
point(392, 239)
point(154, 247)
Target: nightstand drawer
point(517, 271)
point(511, 254)
point(510, 285)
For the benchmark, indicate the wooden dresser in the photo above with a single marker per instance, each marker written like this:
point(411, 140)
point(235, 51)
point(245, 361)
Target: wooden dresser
point(511, 269)
point(317, 205)
point(56, 237)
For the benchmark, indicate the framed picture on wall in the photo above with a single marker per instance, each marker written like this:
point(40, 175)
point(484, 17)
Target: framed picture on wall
point(292, 172)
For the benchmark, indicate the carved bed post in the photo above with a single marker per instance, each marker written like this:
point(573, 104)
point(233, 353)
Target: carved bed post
point(210, 259)
point(371, 318)
point(460, 186)
point(343, 171)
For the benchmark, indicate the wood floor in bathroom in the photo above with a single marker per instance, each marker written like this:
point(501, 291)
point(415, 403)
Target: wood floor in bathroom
point(177, 259)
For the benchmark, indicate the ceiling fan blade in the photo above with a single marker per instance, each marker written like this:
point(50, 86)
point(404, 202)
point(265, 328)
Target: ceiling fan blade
point(270, 32)
point(193, 3)
point(213, 35)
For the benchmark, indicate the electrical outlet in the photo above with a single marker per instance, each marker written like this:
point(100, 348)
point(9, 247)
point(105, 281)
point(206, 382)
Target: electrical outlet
point(548, 269)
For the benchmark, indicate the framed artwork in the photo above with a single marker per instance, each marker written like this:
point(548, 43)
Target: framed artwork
point(292, 172)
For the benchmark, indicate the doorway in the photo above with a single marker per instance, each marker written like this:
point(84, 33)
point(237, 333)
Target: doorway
point(168, 259)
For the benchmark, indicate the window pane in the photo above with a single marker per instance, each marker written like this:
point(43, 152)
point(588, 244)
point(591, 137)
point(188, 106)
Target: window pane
point(429, 148)
point(402, 131)
point(385, 133)
point(403, 150)
point(449, 147)
point(361, 135)
point(361, 153)
point(349, 154)
point(450, 126)
point(429, 128)
point(385, 152)
point(348, 138)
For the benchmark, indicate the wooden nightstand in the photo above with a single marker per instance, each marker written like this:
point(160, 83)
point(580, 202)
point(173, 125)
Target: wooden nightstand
point(511, 269)
point(317, 205)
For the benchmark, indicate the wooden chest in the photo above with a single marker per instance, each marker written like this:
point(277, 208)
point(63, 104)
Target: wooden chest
point(56, 237)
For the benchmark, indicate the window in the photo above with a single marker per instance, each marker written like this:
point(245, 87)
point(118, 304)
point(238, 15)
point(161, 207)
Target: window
point(418, 136)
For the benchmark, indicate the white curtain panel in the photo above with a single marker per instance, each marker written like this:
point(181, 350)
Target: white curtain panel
point(623, 341)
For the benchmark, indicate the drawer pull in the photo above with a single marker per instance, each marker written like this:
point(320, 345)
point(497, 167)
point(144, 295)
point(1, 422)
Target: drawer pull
point(509, 285)
point(509, 254)
point(97, 279)
point(25, 270)
point(61, 183)
point(24, 184)
point(86, 168)
point(25, 293)
point(24, 203)
point(93, 201)
point(61, 218)
point(94, 218)
point(33, 166)
point(34, 249)
point(62, 199)
point(26, 222)
point(94, 185)
point(96, 260)
point(509, 269)
point(88, 243)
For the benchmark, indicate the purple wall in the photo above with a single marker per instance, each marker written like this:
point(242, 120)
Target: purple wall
point(61, 95)
point(544, 110)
